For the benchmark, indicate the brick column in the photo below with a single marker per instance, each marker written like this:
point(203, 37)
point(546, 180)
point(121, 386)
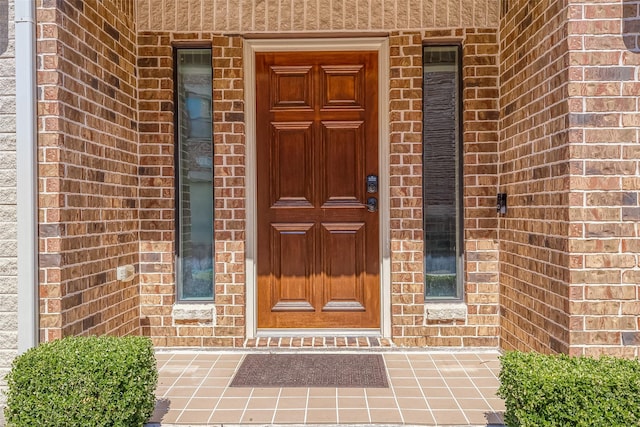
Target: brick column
point(605, 159)
point(534, 172)
point(88, 171)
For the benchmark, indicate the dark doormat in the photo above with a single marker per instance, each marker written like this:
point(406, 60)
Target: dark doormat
point(311, 370)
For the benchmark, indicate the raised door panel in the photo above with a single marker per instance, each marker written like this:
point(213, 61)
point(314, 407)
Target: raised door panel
point(291, 87)
point(316, 142)
point(291, 165)
point(292, 263)
point(343, 86)
point(342, 174)
point(343, 265)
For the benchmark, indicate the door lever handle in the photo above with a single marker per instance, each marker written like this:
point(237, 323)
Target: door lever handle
point(372, 204)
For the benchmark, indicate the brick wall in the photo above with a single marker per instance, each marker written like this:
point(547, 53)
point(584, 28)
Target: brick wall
point(479, 328)
point(480, 92)
point(552, 121)
point(107, 170)
point(157, 192)
point(630, 23)
point(314, 15)
point(604, 208)
point(88, 173)
point(534, 172)
point(8, 218)
point(176, 25)
point(480, 121)
point(569, 161)
point(100, 171)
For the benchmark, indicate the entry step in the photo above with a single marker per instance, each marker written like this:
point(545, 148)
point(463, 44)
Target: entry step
point(319, 342)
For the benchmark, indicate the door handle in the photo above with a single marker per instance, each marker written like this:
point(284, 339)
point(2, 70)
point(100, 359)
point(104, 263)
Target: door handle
point(372, 204)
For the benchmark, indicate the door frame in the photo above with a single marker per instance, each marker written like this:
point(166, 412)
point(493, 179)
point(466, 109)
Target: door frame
point(250, 48)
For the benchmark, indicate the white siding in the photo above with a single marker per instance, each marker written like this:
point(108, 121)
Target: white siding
point(8, 225)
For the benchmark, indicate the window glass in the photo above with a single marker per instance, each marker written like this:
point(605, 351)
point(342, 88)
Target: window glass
point(441, 169)
point(195, 175)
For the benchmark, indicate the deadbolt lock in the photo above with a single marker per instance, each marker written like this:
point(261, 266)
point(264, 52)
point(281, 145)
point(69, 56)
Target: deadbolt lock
point(372, 183)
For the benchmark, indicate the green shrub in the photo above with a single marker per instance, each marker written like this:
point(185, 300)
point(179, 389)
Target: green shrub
point(83, 381)
point(568, 391)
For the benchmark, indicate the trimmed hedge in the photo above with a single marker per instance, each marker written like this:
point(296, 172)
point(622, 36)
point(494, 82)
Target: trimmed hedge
point(83, 381)
point(559, 390)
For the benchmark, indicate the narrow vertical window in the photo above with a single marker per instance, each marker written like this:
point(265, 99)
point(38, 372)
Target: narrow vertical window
point(194, 169)
point(442, 168)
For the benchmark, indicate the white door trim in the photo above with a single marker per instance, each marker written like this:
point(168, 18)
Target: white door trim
point(379, 44)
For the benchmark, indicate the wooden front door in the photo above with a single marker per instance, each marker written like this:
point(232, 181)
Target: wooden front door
point(317, 142)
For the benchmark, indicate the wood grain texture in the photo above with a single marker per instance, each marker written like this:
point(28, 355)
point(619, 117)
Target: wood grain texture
point(317, 140)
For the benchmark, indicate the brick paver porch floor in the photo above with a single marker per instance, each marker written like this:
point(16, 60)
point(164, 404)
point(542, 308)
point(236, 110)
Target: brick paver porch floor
point(426, 388)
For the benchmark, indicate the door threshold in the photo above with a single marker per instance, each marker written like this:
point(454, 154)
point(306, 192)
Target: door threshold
point(299, 332)
point(318, 341)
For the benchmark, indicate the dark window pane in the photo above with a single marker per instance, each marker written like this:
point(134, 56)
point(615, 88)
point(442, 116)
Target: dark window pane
point(442, 173)
point(195, 164)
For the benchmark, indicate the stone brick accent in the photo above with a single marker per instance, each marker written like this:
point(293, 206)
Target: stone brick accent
point(8, 218)
point(278, 16)
point(194, 314)
point(88, 174)
point(604, 58)
point(534, 172)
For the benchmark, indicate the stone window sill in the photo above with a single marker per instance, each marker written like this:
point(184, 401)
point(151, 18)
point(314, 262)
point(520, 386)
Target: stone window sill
point(194, 314)
point(445, 311)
